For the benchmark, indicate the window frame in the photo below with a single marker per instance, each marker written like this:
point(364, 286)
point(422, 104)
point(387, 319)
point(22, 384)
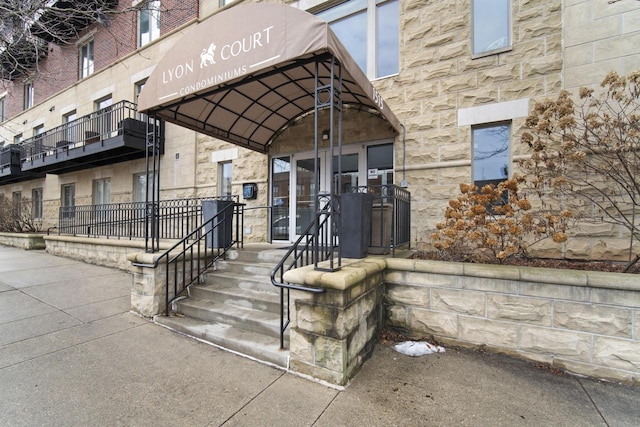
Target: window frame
point(507, 155)
point(86, 71)
point(70, 213)
point(152, 9)
point(36, 203)
point(29, 95)
point(3, 109)
point(370, 8)
point(495, 51)
point(223, 167)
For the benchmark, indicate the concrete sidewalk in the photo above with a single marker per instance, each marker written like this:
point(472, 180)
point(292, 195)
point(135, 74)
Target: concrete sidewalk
point(71, 354)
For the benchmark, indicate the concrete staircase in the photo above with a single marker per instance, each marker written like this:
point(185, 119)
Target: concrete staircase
point(237, 308)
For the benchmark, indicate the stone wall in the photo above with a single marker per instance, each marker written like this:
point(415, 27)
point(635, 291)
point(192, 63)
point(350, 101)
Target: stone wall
point(105, 252)
point(584, 322)
point(599, 36)
point(28, 241)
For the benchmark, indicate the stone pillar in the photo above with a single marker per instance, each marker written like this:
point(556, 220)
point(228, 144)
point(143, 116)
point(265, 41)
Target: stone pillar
point(148, 292)
point(333, 333)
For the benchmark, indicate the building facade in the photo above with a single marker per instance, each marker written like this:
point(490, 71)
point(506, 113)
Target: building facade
point(461, 77)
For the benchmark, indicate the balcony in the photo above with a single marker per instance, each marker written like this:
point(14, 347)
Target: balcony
point(111, 135)
point(10, 170)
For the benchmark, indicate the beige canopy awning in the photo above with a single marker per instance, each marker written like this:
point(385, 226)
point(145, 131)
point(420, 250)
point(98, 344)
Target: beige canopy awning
point(247, 73)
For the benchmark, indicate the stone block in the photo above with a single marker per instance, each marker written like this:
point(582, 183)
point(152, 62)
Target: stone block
point(616, 47)
point(631, 22)
point(301, 345)
point(439, 70)
point(545, 290)
point(458, 301)
point(408, 295)
point(617, 353)
point(498, 74)
point(459, 83)
point(616, 297)
point(549, 64)
point(488, 332)
point(439, 40)
point(518, 89)
point(588, 32)
point(479, 96)
point(519, 309)
point(397, 316)
point(431, 280)
point(570, 345)
point(601, 10)
point(596, 319)
point(636, 333)
point(455, 50)
point(488, 284)
point(430, 322)
point(544, 26)
point(330, 353)
point(594, 371)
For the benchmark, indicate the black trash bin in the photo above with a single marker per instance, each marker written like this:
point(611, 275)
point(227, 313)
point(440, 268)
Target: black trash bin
point(221, 235)
point(355, 214)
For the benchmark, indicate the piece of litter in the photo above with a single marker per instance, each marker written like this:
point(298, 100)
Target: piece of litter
point(417, 348)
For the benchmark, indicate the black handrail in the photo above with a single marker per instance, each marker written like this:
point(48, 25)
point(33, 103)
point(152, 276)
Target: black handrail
point(308, 249)
point(185, 261)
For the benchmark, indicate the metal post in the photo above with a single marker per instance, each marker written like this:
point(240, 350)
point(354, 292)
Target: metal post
point(152, 186)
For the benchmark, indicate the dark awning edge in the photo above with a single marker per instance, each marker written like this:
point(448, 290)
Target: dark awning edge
point(246, 83)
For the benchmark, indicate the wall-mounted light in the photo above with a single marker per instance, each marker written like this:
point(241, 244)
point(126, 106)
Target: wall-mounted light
point(52, 108)
point(325, 134)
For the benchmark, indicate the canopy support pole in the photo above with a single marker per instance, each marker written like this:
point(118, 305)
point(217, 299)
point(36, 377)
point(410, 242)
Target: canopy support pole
point(152, 185)
point(329, 96)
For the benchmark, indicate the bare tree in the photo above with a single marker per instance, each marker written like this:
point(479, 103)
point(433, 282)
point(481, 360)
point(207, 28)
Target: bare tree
point(586, 153)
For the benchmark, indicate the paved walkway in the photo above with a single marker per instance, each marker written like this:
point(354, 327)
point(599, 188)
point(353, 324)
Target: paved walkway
point(71, 354)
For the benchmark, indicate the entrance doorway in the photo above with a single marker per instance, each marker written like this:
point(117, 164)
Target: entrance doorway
point(293, 189)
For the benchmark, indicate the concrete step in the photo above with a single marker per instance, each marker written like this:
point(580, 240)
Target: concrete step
point(236, 296)
point(258, 346)
point(269, 255)
point(223, 279)
point(245, 268)
point(262, 322)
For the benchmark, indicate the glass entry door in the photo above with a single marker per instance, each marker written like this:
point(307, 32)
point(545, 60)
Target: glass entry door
point(293, 190)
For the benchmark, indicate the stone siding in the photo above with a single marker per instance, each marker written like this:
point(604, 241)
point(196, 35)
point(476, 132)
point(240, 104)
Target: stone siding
point(28, 241)
point(583, 322)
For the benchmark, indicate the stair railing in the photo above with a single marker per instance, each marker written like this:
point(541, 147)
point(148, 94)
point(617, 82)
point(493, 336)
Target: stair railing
point(313, 246)
point(186, 262)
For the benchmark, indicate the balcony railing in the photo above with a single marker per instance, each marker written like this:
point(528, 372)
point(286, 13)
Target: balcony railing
point(118, 119)
point(177, 218)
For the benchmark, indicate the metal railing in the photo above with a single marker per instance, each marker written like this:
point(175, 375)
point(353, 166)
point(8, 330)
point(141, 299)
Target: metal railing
point(185, 262)
point(93, 128)
point(314, 245)
point(391, 217)
point(177, 218)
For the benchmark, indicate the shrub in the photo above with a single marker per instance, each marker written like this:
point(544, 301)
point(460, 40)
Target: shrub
point(495, 223)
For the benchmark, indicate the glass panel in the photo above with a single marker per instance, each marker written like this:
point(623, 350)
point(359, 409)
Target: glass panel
point(226, 172)
point(352, 32)
point(380, 165)
point(491, 25)
point(490, 154)
point(388, 38)
point(36, 195)
point(306, 191)
point(280, 196)
point(349, 179)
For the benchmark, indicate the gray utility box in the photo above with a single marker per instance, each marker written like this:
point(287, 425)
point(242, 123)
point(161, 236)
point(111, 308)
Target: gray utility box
point(355, 214)
point(221, 235)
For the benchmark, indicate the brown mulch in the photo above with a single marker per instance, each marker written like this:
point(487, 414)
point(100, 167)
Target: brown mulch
point(570, 264)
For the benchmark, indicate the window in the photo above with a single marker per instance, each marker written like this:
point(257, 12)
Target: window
point(38, 130)
point(103, 111)
point(225, 170)
point(101, 191)
point(86, 59)
point(28, 95)
point(17, 139)
point(36, 200)
point(491, 26)
point(71, 130)
point(3, 113)
point(140, 187)
point(68, 201)
point(491, 154)
point(380, 164)
point(16, 199)
point(148, 23)
point(370, 31)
